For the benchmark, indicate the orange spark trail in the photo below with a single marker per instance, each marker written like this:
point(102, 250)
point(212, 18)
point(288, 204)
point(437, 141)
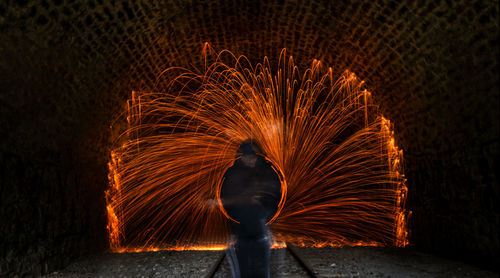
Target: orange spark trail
point(342, 175)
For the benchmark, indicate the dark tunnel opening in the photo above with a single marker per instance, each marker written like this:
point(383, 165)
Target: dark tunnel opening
point(341, 174)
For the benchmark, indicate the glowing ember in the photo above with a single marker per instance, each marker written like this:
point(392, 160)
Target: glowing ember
point(342, 176)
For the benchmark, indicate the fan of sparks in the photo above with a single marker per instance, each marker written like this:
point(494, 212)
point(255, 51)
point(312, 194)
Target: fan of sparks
point(342, 179)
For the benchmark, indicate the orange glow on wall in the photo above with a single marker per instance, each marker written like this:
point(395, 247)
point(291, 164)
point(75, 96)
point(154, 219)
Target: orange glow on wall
point(342, 174)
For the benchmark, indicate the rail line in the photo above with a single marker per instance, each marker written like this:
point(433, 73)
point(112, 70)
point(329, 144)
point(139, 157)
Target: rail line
point(293, 251)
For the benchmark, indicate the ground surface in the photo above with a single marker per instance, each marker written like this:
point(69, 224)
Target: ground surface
point(328, 262)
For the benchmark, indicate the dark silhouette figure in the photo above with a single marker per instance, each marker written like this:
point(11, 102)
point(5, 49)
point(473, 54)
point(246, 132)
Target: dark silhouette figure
point(250, 194)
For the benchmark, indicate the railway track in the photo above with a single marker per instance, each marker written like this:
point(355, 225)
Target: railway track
point(293, 251)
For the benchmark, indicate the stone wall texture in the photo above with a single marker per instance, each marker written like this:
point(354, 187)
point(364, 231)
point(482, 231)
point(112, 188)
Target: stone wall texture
point(67, 67)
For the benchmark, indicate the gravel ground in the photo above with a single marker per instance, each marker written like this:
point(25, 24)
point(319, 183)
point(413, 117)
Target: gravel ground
point(328, 262)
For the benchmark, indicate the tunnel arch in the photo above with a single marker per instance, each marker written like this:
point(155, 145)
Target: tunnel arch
point(340, 166)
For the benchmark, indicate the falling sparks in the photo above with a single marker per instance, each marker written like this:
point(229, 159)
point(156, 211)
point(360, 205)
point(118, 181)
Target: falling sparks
point(341, 172)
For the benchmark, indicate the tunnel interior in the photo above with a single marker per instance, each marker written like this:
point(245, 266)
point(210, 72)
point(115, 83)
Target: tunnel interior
point(340, 171)
point(68, 67)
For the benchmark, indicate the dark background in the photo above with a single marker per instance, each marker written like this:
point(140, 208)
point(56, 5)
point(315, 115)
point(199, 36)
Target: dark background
point(67, 67)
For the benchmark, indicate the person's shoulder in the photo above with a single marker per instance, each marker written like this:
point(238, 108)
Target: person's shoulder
point(266, 162)
point(233, 170)
point(269, 167)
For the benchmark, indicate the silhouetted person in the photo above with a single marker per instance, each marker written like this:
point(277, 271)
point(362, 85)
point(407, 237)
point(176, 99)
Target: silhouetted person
point(250, 194)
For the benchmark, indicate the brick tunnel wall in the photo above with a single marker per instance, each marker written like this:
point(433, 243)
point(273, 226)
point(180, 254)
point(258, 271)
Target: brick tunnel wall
point(67, 67)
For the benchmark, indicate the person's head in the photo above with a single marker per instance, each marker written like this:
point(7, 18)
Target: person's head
point(249, 153)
